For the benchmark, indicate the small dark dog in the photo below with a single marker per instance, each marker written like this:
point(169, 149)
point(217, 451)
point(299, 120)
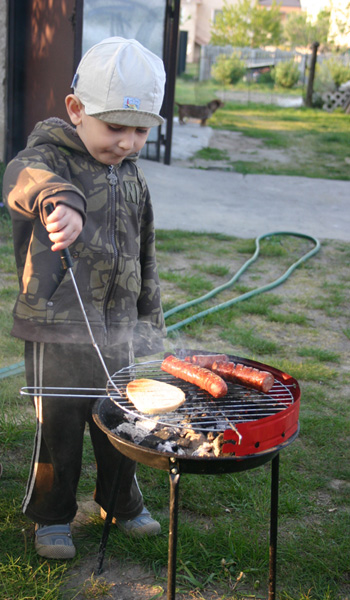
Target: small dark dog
point(198, 111)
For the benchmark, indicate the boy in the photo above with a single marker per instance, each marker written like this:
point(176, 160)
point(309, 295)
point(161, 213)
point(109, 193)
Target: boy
point(102, 211)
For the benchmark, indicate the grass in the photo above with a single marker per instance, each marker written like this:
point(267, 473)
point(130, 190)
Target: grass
point(316, 142)
point(301, 327)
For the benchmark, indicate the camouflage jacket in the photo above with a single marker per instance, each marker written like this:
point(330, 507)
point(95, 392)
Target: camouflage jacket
point(114, 259)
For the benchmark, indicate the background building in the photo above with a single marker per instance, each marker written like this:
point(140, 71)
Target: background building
point(286, 6)
point(197, 17)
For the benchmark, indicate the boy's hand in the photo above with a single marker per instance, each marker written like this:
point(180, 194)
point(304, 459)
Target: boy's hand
point(64, 225)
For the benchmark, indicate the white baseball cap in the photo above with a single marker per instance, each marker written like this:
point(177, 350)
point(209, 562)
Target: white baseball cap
point(120, 81)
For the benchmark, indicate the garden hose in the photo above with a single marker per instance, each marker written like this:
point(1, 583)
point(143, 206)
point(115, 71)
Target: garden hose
point(19, 367)
point(247, 295)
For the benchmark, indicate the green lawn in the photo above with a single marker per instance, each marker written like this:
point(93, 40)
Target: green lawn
point(317, 141)
point(301, 327)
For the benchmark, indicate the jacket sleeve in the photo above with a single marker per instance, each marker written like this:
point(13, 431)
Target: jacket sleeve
point(33, 179)
point(150, 329)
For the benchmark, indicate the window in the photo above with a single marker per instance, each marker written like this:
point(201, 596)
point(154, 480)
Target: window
point(143, 21)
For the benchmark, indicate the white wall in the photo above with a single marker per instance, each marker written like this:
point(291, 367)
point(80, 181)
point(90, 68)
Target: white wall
point(197, 18)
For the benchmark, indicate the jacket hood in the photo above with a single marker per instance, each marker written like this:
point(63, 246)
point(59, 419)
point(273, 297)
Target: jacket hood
point(55, 131)
point(59, 133)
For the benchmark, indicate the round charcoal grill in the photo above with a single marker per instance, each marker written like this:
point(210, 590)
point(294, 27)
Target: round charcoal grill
point(201, 410)
point(255, 427)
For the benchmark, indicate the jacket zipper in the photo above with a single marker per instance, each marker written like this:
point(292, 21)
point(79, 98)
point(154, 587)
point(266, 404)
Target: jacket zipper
point(112, 180)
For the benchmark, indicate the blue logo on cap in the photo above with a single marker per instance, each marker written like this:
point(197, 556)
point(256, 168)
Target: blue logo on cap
point(132, 103)
point(75, 80)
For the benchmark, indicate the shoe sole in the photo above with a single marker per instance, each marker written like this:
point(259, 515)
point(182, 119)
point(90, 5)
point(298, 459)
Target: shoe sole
point(57, 552)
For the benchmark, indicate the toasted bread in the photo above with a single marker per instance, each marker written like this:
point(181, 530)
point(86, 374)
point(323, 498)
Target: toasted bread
point(153, 397)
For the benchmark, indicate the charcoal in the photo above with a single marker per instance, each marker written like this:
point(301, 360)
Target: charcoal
point(184, 442)
point(164, 434)
point(167, 447)
point(129, 432)
point(176, 440)
point(124, 435)
point(150, 441)
point(217, 444)
point(204, 450)
point(196, 438)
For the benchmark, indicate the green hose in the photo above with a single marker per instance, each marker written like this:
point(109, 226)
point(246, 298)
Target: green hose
point(15, 369)
point(247, 295)
point(19, 367)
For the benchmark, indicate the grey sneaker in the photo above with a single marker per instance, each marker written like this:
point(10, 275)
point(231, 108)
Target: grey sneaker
point(143, 524)
point(54, 541)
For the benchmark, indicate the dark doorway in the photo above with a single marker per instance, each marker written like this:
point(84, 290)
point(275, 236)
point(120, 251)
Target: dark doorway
point(45, 44)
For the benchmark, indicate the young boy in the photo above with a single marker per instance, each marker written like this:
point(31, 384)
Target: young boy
point(102, 211)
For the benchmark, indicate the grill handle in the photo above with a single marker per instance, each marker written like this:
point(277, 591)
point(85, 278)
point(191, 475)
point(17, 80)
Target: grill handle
point(65, 254)
point(68, 265)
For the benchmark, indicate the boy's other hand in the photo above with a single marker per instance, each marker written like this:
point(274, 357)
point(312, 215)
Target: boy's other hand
point(64, 225)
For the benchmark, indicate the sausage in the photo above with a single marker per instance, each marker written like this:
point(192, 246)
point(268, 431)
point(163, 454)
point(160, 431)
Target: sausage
point(248, 376)
point(206, 360)
point(203, 378)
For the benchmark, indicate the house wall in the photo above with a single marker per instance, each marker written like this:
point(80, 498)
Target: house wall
point(285, 9)
point(3, 54)
point(288, 10)
point(340, 14)
point(188, 21)
point(197, 17)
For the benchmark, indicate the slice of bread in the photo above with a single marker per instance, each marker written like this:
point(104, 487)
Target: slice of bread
point(153, 397)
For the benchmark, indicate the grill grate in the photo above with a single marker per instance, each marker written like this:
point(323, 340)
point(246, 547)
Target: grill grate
point(201, 411)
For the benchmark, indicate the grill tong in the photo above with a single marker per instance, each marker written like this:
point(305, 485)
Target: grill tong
point(68, 265)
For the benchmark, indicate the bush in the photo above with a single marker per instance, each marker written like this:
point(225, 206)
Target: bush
point(266, 77)
point(286, 73)
point(324, 81)
point(340, 73)
point(317, 100)
point(228, 69)
point(221, 70)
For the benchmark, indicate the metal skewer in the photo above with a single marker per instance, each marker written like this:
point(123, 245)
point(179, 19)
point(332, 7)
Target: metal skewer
point(68, 265)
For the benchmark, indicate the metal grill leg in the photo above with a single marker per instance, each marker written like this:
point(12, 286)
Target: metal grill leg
point(273, 527)
point(107, 526)
point(174, 478)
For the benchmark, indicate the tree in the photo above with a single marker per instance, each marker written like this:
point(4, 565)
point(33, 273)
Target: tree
point(300, 31)
point(322, 26)
point(242, 25)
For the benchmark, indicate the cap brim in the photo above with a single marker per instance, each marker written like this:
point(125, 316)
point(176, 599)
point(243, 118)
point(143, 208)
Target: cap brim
point(129, 117)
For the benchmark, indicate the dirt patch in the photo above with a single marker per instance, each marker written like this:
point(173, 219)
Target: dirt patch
point(121, 582)
point(117, 581)
point(126, 580)
point(236, 147)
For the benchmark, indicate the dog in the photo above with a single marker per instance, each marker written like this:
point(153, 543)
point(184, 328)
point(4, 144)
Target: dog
point(198, 111)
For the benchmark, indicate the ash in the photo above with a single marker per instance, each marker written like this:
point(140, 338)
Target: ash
point(183, 441)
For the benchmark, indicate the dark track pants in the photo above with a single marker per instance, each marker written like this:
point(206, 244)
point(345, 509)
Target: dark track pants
point(61, 422)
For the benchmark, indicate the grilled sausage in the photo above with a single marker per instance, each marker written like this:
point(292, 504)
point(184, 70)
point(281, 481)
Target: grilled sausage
point(248, 376)
point(207, 360)
point(205, 379)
